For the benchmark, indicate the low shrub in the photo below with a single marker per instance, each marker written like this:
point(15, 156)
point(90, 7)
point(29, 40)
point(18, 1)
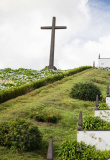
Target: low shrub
point(73, 150)
point(20, 134)
point(103, 106)
point(90, 122)
point(85, 91)
point(46, 116)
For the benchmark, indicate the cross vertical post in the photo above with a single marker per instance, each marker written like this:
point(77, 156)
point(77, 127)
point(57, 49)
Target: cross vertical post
point(51, 61)
point(53, 27)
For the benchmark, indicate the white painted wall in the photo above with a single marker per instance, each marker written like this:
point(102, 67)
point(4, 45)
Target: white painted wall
point(108, 101)
point(101, 139)
point(103, 114)
point(104, 62)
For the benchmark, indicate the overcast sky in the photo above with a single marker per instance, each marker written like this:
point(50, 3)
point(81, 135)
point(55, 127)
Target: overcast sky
point(24, 45)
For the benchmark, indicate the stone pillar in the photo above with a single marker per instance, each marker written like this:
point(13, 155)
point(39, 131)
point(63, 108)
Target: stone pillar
point(80, 122)
point(97, 103)
point(50, 150)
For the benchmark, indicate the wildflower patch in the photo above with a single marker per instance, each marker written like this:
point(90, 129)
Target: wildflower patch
point(46, 116)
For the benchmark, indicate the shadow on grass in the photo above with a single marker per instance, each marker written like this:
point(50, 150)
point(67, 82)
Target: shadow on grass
point(18, 155)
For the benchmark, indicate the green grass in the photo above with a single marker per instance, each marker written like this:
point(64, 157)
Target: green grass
point(54, 96)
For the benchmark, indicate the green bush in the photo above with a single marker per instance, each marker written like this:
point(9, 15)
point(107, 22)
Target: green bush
point(90, 122)
point(46, 116)
point(73, 150)
point(85, 91)
point(103, 106)
point(19, 134)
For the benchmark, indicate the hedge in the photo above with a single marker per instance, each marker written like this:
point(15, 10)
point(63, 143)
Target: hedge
point(21, 90)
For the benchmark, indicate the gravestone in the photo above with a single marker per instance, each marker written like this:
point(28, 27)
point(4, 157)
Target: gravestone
point(53, 27)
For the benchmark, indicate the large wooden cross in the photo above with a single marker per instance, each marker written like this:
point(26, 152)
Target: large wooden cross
point(53, 27)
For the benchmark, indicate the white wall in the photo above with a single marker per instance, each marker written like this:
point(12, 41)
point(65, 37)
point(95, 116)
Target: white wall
point(108, 101)
point(101, 139)
point(104, 62)
point(103, 114)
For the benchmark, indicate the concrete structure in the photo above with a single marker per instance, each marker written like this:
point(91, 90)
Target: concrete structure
point(53, 27)
point(108, 101)
point(103, 114)
point(103, 62)
point(99, 138)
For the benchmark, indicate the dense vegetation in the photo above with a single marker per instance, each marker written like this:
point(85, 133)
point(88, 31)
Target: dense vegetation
point(103, 106)
point(54, 97)
point(19, 134)
point(73, 150)
point(85, 91)
point(90, 122)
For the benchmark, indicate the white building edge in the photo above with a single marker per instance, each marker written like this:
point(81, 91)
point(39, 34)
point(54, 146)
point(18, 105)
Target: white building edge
point(103, 62)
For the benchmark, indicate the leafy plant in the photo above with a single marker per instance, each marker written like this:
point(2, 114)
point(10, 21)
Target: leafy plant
point(90, 122)
point(85, 91)
point(19, 134)
point(103, 106)
point(46, 116)
point(73, 150)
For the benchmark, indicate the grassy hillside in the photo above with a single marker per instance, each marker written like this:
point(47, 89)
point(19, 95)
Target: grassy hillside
point(53, 97)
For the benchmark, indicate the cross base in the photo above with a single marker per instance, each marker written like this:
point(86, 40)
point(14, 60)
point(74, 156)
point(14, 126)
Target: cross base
point(51, 67)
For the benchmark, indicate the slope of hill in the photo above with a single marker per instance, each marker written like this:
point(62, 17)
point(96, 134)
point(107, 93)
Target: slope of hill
point(53, 97)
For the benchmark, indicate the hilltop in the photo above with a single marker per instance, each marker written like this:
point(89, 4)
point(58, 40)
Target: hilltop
point(51, 97)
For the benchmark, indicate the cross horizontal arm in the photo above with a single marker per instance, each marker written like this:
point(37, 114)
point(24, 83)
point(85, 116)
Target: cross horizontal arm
point(48, 27)
point(56, 27)
point(60, 27)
